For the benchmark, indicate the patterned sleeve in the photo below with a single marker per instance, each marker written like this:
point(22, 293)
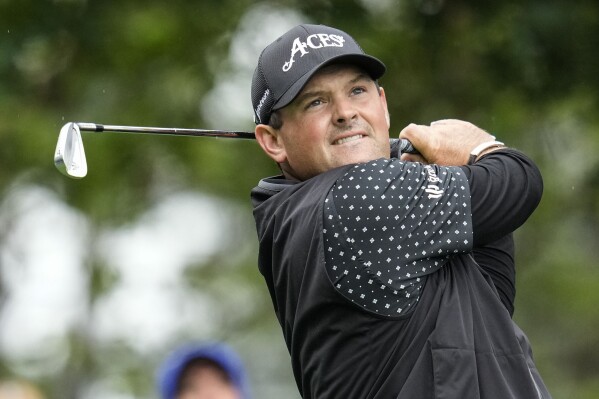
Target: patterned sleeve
point(387, 225)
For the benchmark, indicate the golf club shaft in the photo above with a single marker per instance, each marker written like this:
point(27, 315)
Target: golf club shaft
point(401, 145)
point(96, 127)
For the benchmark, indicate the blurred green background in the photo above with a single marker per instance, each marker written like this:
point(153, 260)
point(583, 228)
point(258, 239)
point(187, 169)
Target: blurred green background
point(101, 277)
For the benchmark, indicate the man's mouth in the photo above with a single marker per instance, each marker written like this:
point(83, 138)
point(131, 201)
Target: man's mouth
point(348, 139)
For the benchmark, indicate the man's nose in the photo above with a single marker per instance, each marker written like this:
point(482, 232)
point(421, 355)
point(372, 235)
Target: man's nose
point(345, 111)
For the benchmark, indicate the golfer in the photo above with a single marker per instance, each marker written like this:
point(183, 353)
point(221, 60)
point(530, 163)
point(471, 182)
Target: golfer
point(391, 277)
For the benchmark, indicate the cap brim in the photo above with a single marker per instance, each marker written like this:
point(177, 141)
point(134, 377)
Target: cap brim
point(373, 66)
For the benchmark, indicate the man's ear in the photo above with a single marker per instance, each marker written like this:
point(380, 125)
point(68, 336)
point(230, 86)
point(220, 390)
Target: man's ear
point(270, 141)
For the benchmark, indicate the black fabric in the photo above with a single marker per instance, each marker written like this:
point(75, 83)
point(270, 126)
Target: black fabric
point(458, 341)
point(386, 229)
point(505, 187)
point(497, 260)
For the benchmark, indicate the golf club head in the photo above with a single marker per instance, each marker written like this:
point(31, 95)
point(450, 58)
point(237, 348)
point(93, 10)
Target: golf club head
point(69, 156)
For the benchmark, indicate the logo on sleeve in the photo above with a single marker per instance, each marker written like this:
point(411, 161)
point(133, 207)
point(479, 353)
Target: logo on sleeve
point(316, 41)
point(433, 189)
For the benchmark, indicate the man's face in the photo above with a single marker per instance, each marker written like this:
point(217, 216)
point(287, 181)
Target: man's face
point(339, 118)
point(206, 382)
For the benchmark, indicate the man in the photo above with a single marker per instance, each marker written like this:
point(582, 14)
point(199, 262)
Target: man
point(206, 371)
point(390, 278)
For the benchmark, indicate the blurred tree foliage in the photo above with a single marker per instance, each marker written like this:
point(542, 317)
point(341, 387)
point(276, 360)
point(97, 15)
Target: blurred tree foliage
point(525, 70)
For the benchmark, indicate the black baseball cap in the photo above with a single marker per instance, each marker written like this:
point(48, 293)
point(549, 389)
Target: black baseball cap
point(286, 65)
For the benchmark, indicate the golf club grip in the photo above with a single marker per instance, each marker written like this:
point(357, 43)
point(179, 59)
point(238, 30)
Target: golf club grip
point(399, 146)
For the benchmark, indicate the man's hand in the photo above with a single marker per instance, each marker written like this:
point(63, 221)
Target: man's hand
point(445, 142)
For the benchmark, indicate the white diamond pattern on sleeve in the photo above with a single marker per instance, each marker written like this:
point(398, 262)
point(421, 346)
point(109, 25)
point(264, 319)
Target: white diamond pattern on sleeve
point(393, 226)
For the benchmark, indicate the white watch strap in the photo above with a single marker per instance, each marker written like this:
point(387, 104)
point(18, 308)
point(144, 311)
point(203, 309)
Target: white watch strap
point(482, 147)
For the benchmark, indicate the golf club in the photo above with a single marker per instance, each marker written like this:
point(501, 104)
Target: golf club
point(69, 156)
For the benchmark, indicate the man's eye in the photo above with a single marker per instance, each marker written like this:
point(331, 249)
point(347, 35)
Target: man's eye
point(314, 103)
point(358, 90)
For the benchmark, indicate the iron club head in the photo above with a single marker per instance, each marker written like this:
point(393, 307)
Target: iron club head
point(69, 156)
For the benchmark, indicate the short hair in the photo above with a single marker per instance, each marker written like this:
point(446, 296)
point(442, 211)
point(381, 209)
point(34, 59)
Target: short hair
point(276, 122)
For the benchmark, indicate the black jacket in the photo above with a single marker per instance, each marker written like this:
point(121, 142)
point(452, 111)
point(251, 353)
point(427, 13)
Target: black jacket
point(396, 280)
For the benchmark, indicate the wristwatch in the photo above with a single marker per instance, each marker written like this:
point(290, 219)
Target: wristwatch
point(479, 149)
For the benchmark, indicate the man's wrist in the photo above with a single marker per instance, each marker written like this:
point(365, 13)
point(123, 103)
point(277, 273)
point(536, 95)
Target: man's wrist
point(482, 149)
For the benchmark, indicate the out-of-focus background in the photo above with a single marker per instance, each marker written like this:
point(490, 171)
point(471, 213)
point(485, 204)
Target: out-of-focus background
point(101, 277)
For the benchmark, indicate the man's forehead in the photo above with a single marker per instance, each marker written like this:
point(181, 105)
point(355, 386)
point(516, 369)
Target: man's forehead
point(345, 72)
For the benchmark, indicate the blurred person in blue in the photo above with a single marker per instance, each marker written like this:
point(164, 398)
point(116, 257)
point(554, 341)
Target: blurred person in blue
point(203, 371)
